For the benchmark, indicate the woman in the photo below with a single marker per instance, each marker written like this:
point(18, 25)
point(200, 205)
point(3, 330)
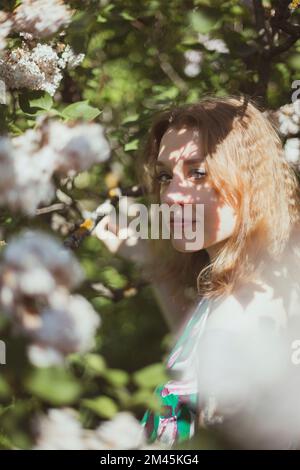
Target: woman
point(225, 154)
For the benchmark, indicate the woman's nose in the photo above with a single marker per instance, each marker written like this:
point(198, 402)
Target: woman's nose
point(175, 193)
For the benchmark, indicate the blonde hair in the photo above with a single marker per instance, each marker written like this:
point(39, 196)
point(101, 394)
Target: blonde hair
point(246, 165)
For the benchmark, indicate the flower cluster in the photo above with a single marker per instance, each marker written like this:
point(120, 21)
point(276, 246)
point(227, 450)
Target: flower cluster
point(292, 150)
point(60, 429)
point(193, 62)
point(78, 147)
point(39, 68)
point(5, 28)
point(37, 276)
point(30, 160)
point(288, 119)
point(214, 45)
point(194, 57)
point(30, 17)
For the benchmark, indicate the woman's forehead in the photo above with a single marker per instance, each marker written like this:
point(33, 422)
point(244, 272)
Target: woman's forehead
point(183, 142)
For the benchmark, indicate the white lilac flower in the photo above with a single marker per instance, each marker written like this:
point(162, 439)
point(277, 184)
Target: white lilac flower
point(292, 150)
point(60, 429)
point(34, 265)
point(29, 161)
point(288, 117)
point(44, 356)
point(68, 324)
point(77, 146)
point(33, 184)
point(192, 69)
point(193, 62)
point(35, 70)
point(39, 68)
point(69, 59)
point(5, 28)
point(36, 277)
point(41, 18)
point(27, 169)
point(217, 45)
point(122, 432)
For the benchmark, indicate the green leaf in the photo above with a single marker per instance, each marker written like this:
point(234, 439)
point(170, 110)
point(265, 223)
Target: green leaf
point(101, 19)
point(44, 102)
point(95, 363)
point(113, 278)
point(80, 110)
point(6, 443)
point(54, 385)
point(31, 102)
point(202, 21)
point(82, 180)
point(130, 119)
point(104, 407)
point(117, 377)
point(127, 16)
point(133, 145)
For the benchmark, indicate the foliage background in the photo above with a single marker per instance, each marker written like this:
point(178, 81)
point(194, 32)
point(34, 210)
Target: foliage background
point(135, 65)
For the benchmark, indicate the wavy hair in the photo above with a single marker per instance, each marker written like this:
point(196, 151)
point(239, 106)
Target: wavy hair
point(245, 163)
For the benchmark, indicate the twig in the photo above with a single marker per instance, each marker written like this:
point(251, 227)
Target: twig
point(54, 207)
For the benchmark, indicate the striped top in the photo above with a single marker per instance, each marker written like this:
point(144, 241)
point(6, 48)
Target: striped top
point(179, 396)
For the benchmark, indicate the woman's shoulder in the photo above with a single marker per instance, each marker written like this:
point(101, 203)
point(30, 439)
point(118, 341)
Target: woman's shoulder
point(249, 305)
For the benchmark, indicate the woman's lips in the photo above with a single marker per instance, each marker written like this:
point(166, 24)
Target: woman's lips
point(181, 222)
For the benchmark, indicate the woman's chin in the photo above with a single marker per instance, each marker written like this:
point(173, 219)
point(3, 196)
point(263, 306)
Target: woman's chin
point(186, 246)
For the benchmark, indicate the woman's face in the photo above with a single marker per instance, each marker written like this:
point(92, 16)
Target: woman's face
point(181, 172)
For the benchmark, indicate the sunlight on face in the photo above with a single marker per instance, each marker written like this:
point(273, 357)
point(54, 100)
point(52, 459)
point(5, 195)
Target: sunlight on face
point(181, 171)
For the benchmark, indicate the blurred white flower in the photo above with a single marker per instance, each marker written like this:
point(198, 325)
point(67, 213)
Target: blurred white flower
point(38, 256)
point(288, 117)
point(60, 429)
point(192, 69)
point(69, 59)
point(43, 356)
point(33, 184)
point(217, 45)
point(68, 324)
point(193, 62)
point(41, 18)
point(77, 146)
point(122, 432)
point(27, 169)
point(5, 28)
point(292, 150)
point(39, 68)
point(30, 160)
point(36, 276)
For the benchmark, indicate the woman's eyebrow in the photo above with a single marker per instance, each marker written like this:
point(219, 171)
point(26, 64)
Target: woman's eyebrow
point(188, 161)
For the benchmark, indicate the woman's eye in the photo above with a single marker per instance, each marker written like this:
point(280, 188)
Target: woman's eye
point(161, 177)
point(198, 174)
